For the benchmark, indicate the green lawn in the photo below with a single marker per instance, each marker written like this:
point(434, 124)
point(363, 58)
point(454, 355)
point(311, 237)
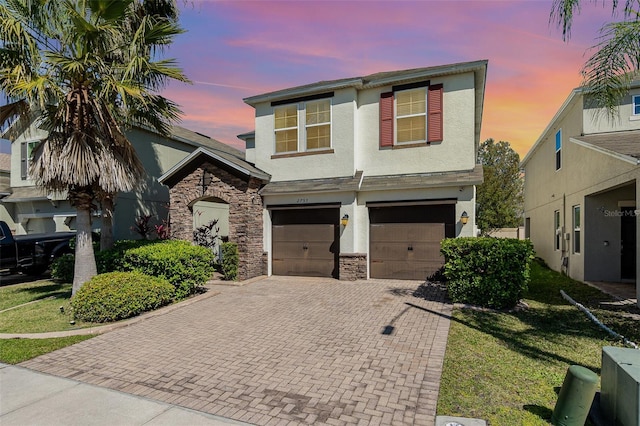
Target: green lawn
point(35, 308)
point(507, 367)
point(13, 351)
point(31, 308)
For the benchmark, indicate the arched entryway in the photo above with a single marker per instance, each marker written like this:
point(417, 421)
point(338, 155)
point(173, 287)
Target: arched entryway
point(211, 222)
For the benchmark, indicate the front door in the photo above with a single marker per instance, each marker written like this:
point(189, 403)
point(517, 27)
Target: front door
point(628, 244)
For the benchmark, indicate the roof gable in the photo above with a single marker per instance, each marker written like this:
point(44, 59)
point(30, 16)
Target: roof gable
point(226, 161)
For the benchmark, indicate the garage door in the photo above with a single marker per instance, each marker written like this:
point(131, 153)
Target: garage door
point(304, 244)
point(404, 242)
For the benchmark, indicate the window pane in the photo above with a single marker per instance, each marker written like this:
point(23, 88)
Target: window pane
point(287, 140)
point(410, 102)
point(576, 242)
point(318, 112)
point(319, 137)
point(411, 129)
point(286, 117)
point(636, 105)
point(576, 217)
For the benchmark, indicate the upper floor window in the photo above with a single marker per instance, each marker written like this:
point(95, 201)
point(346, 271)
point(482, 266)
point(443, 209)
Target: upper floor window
point(26, 154)
point(286, 127)
point(636, 104)
point(305, 126)
point(318, 124)
point(558, 149)
point(411, 114)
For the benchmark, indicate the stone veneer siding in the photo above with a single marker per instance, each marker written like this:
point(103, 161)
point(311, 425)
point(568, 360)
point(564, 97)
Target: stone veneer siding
point(245, 212)
point(353, 266)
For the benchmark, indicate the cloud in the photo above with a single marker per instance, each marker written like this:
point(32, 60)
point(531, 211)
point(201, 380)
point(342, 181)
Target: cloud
point(235, 49)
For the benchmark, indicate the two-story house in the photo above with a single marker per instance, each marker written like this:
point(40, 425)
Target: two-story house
point(362, 177)
point(30, 210)
point(581, 190)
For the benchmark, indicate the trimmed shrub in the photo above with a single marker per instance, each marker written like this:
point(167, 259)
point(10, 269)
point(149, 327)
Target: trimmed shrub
point(489, 272)
point(106, 260)
point(62, 268)
point(112, 259)
point(118, 295)
point(182, 264)
point(230, 261)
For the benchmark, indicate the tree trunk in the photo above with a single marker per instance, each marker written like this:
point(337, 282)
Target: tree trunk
point(85, 264)
point(106, 231)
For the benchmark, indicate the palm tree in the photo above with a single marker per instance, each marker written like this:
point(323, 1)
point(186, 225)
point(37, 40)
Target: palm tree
point(89, 68)
point(607, 73)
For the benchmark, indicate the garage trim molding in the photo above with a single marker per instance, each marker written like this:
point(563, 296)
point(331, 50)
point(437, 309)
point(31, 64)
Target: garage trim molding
point(412, 203)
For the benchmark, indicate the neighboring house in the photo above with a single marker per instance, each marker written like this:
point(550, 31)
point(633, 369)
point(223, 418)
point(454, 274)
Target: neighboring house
point(352, 178)
point(581, 190)
point(5, 189)
point(34, 211)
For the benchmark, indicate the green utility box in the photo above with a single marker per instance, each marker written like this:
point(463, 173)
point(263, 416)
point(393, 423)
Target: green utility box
point(575, 397)
point(620, 386)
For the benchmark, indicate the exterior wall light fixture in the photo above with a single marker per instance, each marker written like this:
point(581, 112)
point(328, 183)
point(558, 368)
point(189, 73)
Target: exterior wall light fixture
point(464, 218)
point(344, 220)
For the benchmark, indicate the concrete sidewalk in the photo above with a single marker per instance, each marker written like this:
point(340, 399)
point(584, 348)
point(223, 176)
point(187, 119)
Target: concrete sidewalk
point(31, 398)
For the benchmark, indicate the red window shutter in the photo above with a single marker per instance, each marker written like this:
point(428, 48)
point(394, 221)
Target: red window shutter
point(386, 119)
point(434, 113)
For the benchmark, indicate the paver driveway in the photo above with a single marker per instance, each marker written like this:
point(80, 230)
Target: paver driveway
point(281, 350)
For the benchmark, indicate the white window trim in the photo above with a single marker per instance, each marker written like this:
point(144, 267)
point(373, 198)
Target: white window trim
point(576, 228)
point(395, 116)
point(303, 113)
point(557, 243)
point(555, 154)
point(302, 126)
point(633, 116)
point(28, 158)
point(284, 129)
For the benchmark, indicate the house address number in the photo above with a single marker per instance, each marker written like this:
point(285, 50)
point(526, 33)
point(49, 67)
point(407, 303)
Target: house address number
point(302, 200)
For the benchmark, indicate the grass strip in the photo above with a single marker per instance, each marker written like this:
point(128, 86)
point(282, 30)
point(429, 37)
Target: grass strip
point(506, 367)
point(14, 351)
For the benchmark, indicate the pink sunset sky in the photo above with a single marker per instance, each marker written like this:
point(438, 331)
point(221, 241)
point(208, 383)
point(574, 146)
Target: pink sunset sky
point(236, 49)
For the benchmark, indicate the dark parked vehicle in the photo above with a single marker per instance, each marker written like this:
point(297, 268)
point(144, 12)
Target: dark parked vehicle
point(31, 254)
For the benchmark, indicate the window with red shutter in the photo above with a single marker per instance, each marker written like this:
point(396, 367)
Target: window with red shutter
point(434, 113)
point(386, 119)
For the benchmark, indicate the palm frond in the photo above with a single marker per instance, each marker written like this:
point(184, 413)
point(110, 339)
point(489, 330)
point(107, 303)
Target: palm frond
point(608, 73)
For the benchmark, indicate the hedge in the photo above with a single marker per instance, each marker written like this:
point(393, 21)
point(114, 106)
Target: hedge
point(182, 264)
point(119, 295)
point(229, 261)
point(62, 268)
point(489, 272)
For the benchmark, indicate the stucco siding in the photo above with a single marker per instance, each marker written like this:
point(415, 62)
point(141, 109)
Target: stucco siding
point(593, 180)
point(340, 162)
point(596, 120)
point(32, 133)
point(455, 152)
